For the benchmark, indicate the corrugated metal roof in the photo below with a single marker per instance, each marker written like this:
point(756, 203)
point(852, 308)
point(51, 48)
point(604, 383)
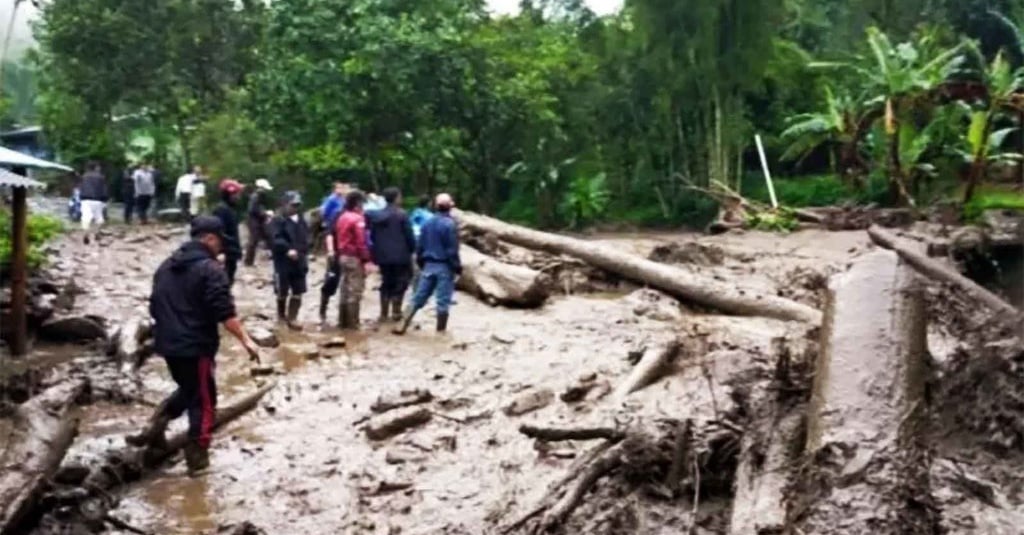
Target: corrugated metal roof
point(13, 180)
point(17, 159)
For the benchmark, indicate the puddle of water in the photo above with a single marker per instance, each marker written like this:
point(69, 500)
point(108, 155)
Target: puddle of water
point(188, 501)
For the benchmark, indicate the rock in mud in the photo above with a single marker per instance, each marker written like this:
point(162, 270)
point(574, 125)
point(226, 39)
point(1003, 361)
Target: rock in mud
point(654, 305)
point(392, 423)
point(403, 456)
point(334, 343)
point(73, 329)
point(688, 253)
point(529, 401)
point(264, 337)
point(404, 399)
point(308, 351)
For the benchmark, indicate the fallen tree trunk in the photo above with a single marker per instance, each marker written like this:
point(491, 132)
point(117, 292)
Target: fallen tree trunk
point(867, 405)
point(42, 431)
point(937, 271)
point(128, 464)
point(498, 283)
point(679, 283)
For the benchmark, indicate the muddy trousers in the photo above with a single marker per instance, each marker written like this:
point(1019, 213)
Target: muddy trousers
point(196, 395)
point(438, 280)
point(353, 282)
point(257, 235)
point(185, 204)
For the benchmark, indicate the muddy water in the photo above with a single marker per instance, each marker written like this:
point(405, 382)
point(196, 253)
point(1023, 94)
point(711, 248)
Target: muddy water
point(300, 463)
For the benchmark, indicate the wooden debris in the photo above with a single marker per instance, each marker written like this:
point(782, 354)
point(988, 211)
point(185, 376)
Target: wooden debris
point(394, 422)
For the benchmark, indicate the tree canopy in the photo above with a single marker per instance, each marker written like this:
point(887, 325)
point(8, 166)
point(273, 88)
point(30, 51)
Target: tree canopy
point(554, 115)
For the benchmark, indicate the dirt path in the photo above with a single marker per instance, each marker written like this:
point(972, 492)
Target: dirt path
point(301, 465)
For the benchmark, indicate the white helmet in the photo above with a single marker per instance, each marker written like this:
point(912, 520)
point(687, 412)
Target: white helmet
point(264, 185)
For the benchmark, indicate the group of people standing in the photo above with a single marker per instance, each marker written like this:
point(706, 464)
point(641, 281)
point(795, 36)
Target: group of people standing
point(192, 289)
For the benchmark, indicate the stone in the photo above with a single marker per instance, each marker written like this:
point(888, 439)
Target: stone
point(654, 305)
point(73, 329)
point(397, 421)
point(264, 337)
point(529, 401)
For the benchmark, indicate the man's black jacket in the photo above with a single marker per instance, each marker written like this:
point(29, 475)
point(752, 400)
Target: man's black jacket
point(191, 296)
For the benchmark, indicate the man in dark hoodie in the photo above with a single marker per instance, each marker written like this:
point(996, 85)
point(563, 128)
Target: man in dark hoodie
point(393, 245)
point(93, 193)
point(230, 191)
point(259, 214)
point(290, 239)
point(191, 297)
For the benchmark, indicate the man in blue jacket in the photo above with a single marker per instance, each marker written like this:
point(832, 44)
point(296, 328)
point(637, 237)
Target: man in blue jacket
point(191, 297)
point(437, 255)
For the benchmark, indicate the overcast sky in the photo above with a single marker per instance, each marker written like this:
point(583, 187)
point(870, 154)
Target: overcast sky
point(23, 34)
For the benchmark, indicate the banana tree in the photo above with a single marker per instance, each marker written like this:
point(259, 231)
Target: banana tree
point(1002, 82)
point(899, 80)
point(839, 126)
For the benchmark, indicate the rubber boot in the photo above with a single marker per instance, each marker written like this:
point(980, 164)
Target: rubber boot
point(324, 302)
point(353, 316)
point(282, 313)
point(442, 322)
point(197, 458)
point(294, 304)
point(154, 435)
point(396, 309)
point(410, 313)
point(385, 306)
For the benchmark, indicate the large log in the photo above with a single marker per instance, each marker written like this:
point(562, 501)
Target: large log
point(125, 465)
point(867, 404)
point(42, 431)
point(498, 283)
point(937, 271)
point(682, 284)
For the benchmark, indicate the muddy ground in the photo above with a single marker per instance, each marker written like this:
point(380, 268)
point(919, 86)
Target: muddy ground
point(302, 464)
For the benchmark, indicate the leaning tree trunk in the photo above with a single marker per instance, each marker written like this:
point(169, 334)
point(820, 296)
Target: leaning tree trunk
point(42, 431)
point(679, 283)
point(498, 283)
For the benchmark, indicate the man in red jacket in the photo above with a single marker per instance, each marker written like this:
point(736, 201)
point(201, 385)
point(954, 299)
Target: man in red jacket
point(354, 258)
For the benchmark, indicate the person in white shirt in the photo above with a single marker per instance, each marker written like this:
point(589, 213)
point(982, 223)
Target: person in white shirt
point(183, 191)
point(145, 188)
point(198, 194)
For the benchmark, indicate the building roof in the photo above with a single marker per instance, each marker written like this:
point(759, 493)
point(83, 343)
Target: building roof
point(14, 180)
point(22, 131)
point(12, 158)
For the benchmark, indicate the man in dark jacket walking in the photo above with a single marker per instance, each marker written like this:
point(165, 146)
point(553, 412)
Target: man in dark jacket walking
point(191, 297)
point(230, 190)
point(393, 246)
point(290, 239)
point(258, 215)
point(128, 192)
point(437, 255)
point(93, 195)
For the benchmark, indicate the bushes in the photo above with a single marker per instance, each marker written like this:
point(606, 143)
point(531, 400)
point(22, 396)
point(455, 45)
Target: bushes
point(41, 229)
point(993, 199)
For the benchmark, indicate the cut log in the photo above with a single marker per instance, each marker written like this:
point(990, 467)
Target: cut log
point(404, 399)
point(41, 433)
point(392, 423)
point(939, 272)
point(650, 368)
point(762, 475)
point(497, 283)
point(128, 464)
point(867, 403)
point(679, 283)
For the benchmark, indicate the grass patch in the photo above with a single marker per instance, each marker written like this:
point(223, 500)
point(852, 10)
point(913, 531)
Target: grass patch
point(992, 198)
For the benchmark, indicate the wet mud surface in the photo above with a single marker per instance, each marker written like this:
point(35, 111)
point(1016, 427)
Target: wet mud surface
point(302, 461)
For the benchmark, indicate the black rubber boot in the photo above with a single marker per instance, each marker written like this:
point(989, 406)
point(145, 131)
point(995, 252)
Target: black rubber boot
point(154, 435)
point(282, 312)
point(396, 309)
point(410, 313)
point(353, 316)
point(324, 302)
point(385, 308)
point(442, 322)
point(294, 304)
point(197, 458)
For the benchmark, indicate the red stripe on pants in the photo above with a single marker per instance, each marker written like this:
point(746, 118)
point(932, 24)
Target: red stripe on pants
point(206, 404)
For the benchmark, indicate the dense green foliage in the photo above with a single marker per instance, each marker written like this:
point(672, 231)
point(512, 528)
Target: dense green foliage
point(41, 229)
point(555, 115)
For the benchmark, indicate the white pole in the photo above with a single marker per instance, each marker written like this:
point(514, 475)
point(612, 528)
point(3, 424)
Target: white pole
point(767, 173)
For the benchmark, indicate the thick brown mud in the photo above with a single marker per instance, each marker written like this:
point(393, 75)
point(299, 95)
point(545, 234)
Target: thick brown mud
point(302, 462)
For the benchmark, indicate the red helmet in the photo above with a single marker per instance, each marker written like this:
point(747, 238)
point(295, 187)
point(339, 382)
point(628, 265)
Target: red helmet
point(231, 186)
